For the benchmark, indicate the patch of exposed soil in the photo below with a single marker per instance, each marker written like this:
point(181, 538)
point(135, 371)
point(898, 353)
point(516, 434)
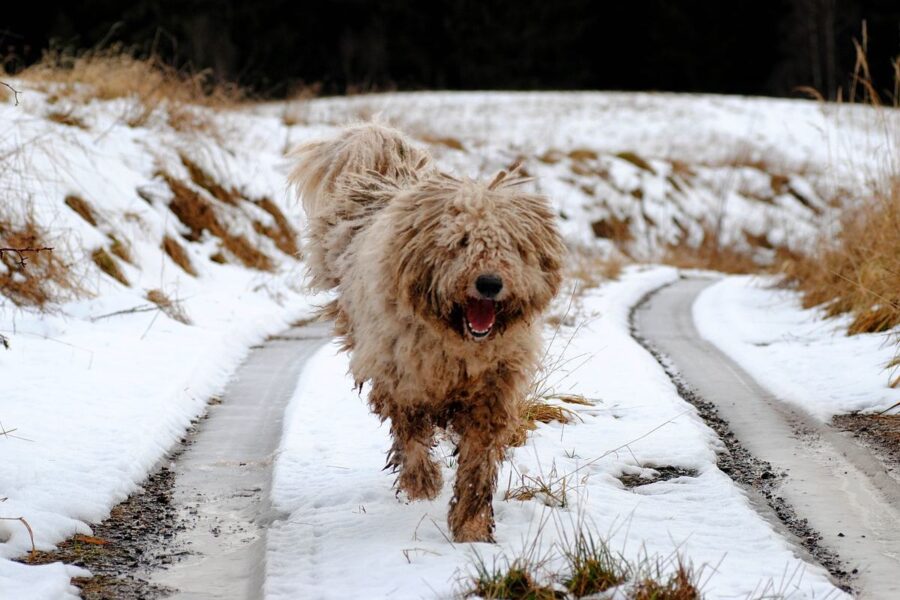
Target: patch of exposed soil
point(123, 547)
point(743, 467)
point(631, 481)
point(135, 540)
point(881, 433)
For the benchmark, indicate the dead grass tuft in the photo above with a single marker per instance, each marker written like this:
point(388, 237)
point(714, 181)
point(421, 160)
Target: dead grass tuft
point(506, 580)
point(282, 234)
point(81, 206)
point(680, 585)
point(614, 229)
point(856, 271)
point(637, 161)
point(583, 154)
point(108, 265)
point(552, 491)
point(68, 118)
point(172, 308)
point(179, 255)
point(120, 249)
point(35, 278)
point(592, 566)
point(198, 215)
point(207, 182)
point(449, 142)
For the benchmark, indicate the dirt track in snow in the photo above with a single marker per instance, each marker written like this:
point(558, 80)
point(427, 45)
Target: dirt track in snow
point(817, 485)
point(223, 477)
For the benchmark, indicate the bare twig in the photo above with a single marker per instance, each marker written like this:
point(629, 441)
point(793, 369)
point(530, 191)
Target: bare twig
point(21, 252)
point(4, 341)
point(28, 527)
point(14, 91)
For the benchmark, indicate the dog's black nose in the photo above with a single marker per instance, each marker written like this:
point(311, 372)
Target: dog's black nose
point(488, 285)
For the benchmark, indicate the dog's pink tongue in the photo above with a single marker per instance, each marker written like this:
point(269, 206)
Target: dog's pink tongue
point(480, 314)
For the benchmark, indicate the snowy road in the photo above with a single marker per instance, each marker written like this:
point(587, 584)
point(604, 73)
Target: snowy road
point(223, 478)
point(837, 485)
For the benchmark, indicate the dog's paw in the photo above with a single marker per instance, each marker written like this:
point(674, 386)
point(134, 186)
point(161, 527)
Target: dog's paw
point(421, 482)
point(474, 530)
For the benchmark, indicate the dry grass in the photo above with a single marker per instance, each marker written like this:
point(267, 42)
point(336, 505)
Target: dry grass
point(33, 278)
point(67, 117)
point(680, 585)
point(172, 308)
point(448, 142)
point(179, 255)
point(282, 234)
point(81, 206)
point(508, 580)
point(614, 229)
point(592, 567)
point(207, 182)
point(551, 490)
point(117, 72)
point(637, 161)
point(198, 215)
point(120, 249)
point(857, 272)
point(711, 255)
point(590, 269)
point(108, 265)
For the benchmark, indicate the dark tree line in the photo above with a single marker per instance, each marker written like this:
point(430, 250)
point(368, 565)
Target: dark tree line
point(729, 46)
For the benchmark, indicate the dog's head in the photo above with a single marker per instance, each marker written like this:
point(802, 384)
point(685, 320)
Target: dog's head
point(475, 258)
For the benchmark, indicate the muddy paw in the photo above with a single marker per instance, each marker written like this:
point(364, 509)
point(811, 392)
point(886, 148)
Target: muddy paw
point(422, 481)
point(479, 528)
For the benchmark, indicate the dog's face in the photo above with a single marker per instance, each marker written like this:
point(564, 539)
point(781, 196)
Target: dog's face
point(475, 258)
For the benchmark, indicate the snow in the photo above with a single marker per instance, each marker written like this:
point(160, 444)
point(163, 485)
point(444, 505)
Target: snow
point(764, 329)
point(344, 530)
point(99, 388)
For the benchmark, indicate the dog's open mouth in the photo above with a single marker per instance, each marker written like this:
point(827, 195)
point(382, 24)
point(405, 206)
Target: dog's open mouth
point(480, 316)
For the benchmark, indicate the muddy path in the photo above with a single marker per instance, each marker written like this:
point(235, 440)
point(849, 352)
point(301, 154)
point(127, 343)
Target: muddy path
point(823, 490)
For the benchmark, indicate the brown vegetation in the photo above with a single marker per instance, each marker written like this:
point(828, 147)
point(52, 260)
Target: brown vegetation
point(858, 270)
point(172, 308)
point(31, 273)
point(179, 255)
point(282, 234)
point(711, 255)
point(108, 265)
point(117, 72)
point(68, 118)
point(81, 206)
point(198, 215)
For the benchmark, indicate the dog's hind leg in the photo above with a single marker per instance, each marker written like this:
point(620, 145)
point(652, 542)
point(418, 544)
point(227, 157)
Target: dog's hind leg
point(483, 429)
point(410, 454)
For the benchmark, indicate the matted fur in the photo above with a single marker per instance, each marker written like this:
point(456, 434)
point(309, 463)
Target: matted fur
point(403, 243)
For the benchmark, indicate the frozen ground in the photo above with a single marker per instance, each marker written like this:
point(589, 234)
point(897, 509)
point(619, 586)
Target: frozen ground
point(100, 387)
point(795, 353)
point(346, 531)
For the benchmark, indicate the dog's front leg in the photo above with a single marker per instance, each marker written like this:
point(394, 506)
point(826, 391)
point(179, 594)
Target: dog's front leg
point(413, 433)
point(483, 430)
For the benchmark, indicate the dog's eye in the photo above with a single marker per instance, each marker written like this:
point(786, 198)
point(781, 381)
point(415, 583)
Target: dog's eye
point(464, 241)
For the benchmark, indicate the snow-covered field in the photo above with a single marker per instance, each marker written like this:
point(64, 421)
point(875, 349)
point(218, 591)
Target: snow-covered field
point(795, 353)
point(98, 388)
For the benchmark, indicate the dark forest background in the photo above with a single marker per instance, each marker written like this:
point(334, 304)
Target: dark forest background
point(767, 47)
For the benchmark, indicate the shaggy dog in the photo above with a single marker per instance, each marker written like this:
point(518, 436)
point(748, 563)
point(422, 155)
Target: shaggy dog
point(440, 284)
